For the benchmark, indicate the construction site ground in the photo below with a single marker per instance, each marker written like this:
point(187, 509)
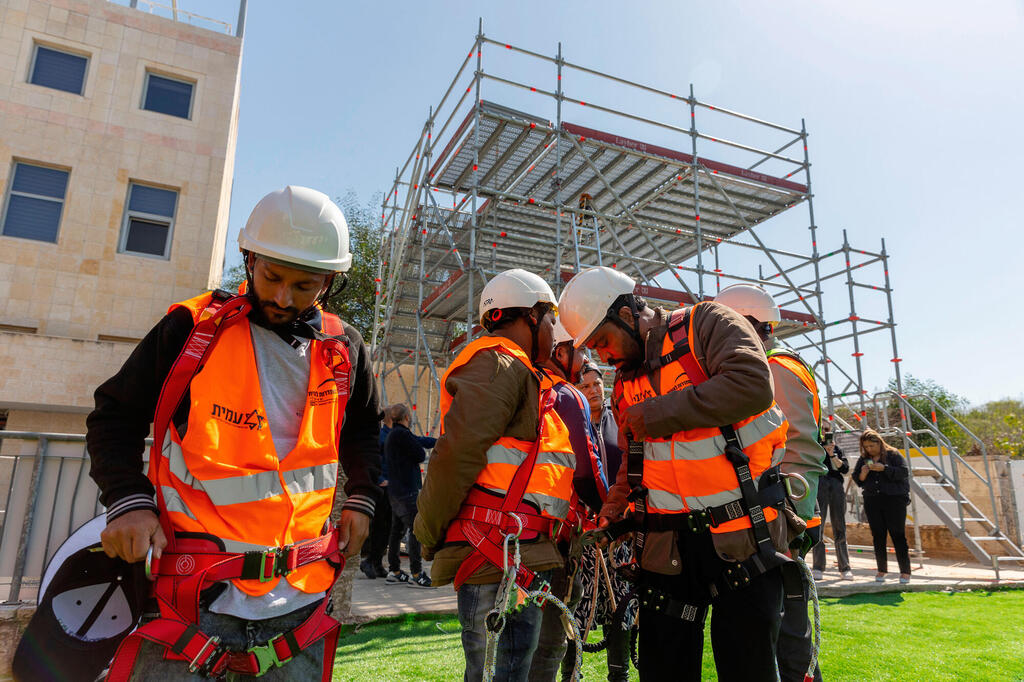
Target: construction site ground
point(373, 599)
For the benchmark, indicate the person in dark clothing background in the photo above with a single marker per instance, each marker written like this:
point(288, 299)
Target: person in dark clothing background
point(403, 454)
point(376, 544)
point(882, 474)
point(832, 503)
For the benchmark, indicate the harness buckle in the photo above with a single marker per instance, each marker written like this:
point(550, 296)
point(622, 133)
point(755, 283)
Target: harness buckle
point(266, 656)
point(207, 658)
point(269, 564)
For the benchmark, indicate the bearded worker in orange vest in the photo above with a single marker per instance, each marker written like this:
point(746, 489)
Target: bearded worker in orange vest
point(503, 460)
point(253, 398)
point(703, 440)
point(796, 393)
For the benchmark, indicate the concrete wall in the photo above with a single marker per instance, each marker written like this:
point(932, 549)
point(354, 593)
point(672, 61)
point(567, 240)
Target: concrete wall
point(81, 288)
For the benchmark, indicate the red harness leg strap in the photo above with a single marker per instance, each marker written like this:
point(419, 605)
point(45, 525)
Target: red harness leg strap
point(489, 543)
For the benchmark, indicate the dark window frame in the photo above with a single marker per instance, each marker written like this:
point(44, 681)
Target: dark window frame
point(130, 214)
point(10, 192)
point(36, 46)
point(178, 79)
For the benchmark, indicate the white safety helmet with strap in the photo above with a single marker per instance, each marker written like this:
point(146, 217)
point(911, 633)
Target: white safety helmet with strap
point(750, 300)
point(298, 227)
point(514, 288)
point(587, 298)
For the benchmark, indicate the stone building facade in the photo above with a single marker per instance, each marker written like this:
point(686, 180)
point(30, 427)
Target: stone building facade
point(116, 159)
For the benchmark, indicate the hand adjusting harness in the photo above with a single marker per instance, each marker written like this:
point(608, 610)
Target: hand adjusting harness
point(188, 566)
point(772, 493)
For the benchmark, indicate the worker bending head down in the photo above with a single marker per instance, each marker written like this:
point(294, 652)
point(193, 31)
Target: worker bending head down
point(503, 450)
point(254, 398)
point(693, 393)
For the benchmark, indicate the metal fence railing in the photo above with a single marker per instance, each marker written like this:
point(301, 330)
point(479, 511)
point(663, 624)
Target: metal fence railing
point(45, 494)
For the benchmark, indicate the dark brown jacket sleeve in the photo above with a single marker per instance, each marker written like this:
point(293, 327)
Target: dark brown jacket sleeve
point(487, 393)
point(739, 381)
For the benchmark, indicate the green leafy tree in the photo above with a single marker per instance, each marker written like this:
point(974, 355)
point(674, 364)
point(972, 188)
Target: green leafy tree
point(355, 303)
point(1000, 426)
point(918, 392)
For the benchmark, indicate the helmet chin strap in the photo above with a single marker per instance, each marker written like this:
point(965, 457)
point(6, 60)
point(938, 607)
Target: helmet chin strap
point(634, 331)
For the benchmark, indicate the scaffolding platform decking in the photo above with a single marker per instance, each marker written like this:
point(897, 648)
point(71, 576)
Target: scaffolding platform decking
point(490, 186)
point(683, 209)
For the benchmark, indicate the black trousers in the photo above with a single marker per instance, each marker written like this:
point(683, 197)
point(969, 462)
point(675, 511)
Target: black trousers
point(380, 531)
point(794, 645)
point(744, 623)
point(887, 514)
point(832, 503)
point(403, 515)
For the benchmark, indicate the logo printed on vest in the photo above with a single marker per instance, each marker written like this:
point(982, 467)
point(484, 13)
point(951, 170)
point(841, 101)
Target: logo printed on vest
point(323, 394)
point(185, 564)
point(250, 420)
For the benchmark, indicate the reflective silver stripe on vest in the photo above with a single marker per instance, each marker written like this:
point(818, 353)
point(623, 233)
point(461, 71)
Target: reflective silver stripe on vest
point(552, 506)
point(709, 448)
point(664, 501)
point(310, 479)
point(251, 487)
point(174, 503)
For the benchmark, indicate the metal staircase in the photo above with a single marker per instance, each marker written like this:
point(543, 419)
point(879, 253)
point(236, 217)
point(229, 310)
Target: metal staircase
point(941, 483)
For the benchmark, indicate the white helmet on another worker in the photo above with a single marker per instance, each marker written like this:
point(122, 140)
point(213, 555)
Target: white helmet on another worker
point(587, 300)
point(514, 288)
point(750, 300)
point(298, 227)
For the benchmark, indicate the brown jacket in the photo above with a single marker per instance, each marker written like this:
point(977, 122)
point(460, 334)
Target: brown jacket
point(493, 396)
point(739, 385)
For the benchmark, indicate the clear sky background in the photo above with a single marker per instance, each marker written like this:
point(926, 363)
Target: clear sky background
point(915, 111)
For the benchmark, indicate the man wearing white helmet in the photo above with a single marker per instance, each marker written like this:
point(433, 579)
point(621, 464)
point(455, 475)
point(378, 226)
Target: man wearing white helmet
point(796, 392)
point(693, 399)
point(253, 398)
point(496, 416)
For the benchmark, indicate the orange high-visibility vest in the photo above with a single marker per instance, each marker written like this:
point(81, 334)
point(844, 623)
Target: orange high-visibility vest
point(549, 488)
point(223, 476)
point(795, 364)
point(688, 470)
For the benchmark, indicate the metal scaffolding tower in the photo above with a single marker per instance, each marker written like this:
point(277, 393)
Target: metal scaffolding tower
point(683, 195)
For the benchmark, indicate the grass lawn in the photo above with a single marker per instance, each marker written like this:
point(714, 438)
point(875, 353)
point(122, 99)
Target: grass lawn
point(892, 636)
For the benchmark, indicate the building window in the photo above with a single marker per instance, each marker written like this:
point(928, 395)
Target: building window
point(60, 70)
point(148, 221)
point(167, 96)
point(35, 202)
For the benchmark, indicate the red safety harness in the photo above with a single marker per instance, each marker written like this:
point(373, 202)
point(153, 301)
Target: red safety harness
point(189, 565)
point(485, 518)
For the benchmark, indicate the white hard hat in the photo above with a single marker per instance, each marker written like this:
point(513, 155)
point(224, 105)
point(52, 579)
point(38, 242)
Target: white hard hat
point(515, 288)
point(586, 298)
point(750, 300)
point(300, 227)
point(561, 335)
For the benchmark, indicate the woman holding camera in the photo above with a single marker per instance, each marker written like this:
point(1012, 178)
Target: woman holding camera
point(884, 477)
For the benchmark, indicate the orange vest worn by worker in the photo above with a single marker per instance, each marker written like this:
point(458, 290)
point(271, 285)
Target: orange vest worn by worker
point(793, 363)
point(532, 480)
point(690, 472)
point(231, 508)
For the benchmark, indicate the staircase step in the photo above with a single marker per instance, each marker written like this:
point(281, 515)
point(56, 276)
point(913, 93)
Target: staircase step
point(960, 501)
point(1009, 558)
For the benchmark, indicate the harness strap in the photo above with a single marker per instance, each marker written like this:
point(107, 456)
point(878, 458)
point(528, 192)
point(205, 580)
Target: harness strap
point(207, 657)
point(741, 463)
point(488, 544)
point(662, 602)
point(738, 575)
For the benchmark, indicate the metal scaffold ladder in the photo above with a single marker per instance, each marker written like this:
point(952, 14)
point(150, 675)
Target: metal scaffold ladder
point(941, 482)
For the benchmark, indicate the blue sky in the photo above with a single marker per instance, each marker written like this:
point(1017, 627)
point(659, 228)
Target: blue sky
point(914, 109)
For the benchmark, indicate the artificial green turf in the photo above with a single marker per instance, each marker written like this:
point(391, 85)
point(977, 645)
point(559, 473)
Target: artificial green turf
point(890, 636)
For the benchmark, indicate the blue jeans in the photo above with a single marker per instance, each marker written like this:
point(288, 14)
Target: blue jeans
point(238, 635)
point(518, 640)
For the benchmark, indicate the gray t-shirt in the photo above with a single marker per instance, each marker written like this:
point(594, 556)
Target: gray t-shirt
point(283, 370)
